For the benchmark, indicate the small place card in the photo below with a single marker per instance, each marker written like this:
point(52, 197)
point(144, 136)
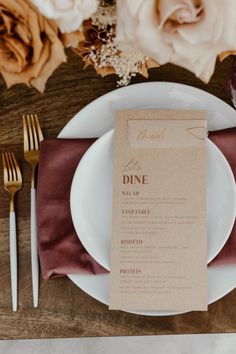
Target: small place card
point(159, 240)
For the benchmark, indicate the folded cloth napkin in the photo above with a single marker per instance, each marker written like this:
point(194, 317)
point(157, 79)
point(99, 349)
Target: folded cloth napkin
point(60, 250)
point(226, 142)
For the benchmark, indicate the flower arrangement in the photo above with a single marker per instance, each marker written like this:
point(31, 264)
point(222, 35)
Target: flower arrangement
point(124, 37)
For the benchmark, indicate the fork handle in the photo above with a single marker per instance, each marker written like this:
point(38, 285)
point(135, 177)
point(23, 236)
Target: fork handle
point(34, 249)
point(13, 259)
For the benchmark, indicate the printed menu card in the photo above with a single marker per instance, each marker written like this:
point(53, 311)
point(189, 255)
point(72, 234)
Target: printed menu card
point(159, 223)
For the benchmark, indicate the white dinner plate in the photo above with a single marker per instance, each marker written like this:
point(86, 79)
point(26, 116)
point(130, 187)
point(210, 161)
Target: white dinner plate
point(98, 118)
point(91, 199)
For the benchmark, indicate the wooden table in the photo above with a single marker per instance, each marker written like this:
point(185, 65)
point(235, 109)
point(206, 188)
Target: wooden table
point(64, 310)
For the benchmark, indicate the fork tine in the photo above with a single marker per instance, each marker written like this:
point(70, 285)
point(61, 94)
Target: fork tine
point(17, 169)
point(14, 177)
point(30, 135)
point(8, 167)
point(5, 171)
point(39, 131)
point(25, 133)
point(34, 133)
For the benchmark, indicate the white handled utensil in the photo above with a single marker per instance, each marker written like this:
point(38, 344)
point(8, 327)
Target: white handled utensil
point(12, 183)
point(32, 138)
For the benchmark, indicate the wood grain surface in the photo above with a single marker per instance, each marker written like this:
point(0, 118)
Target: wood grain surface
point(64, 310)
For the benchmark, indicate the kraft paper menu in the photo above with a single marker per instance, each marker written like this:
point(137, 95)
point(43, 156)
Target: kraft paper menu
point(159, 223)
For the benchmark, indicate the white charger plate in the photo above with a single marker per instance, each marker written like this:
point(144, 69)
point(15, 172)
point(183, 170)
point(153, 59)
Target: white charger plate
point(91, 199)
point(98, 117)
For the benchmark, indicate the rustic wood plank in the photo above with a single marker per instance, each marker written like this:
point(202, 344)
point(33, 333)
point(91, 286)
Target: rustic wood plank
point(64, 310)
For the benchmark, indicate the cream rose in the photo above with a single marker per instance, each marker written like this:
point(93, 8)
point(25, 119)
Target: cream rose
point(69, 14)
point(184, 32)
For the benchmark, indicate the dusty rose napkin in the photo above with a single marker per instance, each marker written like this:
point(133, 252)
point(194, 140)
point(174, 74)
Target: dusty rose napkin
point(60, 250)
point(226, 142)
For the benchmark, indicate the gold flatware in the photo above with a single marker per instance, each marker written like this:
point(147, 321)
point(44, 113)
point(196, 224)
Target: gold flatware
point(12, 183)
point(32, 138)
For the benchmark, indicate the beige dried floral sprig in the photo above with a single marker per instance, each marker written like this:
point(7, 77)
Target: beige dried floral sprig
point(99, 50)
point(94, 38)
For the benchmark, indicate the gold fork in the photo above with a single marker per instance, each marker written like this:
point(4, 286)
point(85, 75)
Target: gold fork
point(12, 183)
point(32, 138)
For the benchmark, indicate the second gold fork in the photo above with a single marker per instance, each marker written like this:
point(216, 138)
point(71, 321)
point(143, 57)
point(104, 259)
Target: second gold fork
point(32, 138)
